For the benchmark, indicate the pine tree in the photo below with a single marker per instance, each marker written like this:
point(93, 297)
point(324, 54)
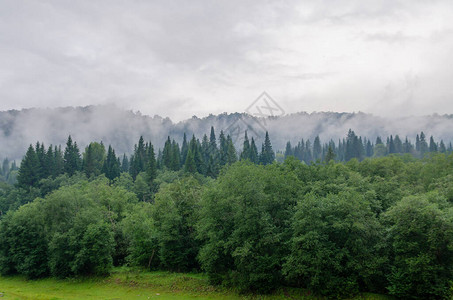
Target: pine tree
point(213, 142)
point(205, 151)
point(354, 146)
point(194, 161)
point(111, 167)
point(93, 159)
point(72, 159)
point(175, 156)
point(231, 151)
point(29, 169)
point(391, 145)
point(151, 170)
point(267, 155)
point(245, 154)
point(330, 155)
point(432, 145)
point(317, 150)
point(223, 151)
point(190, 166)
point(125, 163)
point(417, 143)
point(254, 157)
point(308, 157)
point(288, 150)
point(214, 152)
point(41, 154)
point(423, 144)
point(138, 160)
point(184, 149)
point(369, 149)
point(442, 148)
point(167, 154)
point(58, 161)
point(48, 163)
point(398, 144)
point(407, 146)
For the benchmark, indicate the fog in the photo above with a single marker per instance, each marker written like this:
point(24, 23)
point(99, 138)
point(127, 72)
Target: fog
point(122, 128)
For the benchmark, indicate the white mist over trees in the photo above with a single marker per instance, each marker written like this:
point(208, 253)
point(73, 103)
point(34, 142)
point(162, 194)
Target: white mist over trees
point(121, 128)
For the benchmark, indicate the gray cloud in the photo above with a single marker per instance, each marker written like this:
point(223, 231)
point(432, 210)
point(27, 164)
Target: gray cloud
point(180, 58)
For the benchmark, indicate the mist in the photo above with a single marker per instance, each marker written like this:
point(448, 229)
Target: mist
point(122, 128)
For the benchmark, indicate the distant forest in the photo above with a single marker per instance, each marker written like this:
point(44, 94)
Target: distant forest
point(206, 157)
point(334, 218)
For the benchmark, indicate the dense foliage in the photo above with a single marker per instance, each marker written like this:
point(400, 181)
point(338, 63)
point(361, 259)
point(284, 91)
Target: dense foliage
point(381, 224)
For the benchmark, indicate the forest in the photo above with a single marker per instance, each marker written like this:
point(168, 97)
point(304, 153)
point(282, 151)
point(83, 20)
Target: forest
point(335, 218)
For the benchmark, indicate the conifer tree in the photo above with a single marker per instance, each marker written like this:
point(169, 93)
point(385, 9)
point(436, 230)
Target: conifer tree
point(137, 162)
point(184, 149)
point(391, 145)
point(175, 156)
point(41, 154)
point(267, 155)
point(231, 151)
point(423, 144)
point(205, 150)
point(317, 151)
point(369, 149)
point(72, 159)
point(330, 155)
point(111, 167)
point(308, 157)
point(93, 159)
point(214, 152)
point(29, 169)
point(245, 154)
point(167, 154)
point(442, 148)
point(288, 150)
point(151, 171)
point(125, 163)
point(407, 146)
point(398, 144)
point(58, 161)
point(223, 151)
point(254, 157)
point(432, 145)
point(194, 160)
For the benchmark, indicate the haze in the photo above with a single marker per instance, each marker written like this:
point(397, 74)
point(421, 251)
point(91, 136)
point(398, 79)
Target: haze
point(184, 58)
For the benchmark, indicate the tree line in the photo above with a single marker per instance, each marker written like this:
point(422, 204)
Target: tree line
point(354, 146)
point(206, 157)
point(381, 224)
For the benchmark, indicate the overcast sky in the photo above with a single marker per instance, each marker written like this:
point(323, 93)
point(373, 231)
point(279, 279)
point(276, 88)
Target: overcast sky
point(184, 58)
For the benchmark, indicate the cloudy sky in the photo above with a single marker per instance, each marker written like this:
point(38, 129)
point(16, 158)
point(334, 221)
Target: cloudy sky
point(184, 58)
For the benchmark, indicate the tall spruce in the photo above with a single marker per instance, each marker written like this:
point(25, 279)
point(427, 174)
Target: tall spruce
point(245, 154)
point(111, 167)
point(29, 170)
point(72, 158)
point(231, 151)
point(254, 157)
point(184, 149)
point(125, 163)
point(267, 155)
point(223, 149)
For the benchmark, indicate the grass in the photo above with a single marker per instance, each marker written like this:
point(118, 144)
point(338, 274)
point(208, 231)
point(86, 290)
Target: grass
point(131, 284)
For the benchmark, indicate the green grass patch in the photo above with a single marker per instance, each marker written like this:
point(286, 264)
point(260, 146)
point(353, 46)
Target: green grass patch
point(128, 284)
